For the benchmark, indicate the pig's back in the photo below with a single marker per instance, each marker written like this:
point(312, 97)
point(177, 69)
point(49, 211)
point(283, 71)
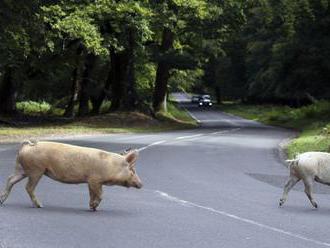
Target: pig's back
point(63, 162)
point(319, 162)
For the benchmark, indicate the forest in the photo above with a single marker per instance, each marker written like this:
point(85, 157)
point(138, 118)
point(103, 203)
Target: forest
point(88, 57)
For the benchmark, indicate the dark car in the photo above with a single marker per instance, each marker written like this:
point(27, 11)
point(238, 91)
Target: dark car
point(205, 101)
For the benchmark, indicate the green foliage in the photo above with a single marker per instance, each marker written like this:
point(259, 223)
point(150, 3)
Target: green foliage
point(74, 23)
point(179, 113)
point(257, 51)
point(279, 54)
point(184, 80)
point(145, 75)
point(176, 115)
point(19, 39)
point(34, 108)
point(105, 107)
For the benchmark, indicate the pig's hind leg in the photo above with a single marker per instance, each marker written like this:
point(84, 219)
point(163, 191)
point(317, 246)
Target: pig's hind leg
point(95, 194)
point(11, 181)
point(31, 185)
point(308, 182)
point(288, 186)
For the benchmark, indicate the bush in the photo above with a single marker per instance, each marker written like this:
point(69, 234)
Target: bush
point(105, 107)
point(33, 108)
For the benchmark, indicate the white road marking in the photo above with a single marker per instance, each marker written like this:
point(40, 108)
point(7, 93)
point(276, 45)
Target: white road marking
point(214, 120)
point(227, 131)
point(193, 116)
point(220, 120)
point(152, 144)
point(197, 136)
point(192, 137)
point(245, 220)
point(189, 136)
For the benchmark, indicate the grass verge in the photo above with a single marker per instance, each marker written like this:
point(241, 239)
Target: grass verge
point(313, 122)
point(177, 115)
point(117, 122)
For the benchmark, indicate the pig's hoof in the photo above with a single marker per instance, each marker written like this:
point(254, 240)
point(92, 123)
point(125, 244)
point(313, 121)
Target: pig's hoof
point(38, 205)
point(93, 209)
point(2, 199)
point(281, 202)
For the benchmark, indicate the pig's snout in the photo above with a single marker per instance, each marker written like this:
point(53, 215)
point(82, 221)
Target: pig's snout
point(138, 185)
point(136, 182)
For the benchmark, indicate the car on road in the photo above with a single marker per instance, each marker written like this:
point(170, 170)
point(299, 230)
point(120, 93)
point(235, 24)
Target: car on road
point(205, 101)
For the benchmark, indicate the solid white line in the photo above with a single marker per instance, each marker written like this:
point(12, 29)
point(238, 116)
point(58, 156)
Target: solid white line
point(193, 116)
point(232, 216)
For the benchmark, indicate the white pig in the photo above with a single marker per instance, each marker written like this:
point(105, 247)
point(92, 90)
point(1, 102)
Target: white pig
point(309, 167)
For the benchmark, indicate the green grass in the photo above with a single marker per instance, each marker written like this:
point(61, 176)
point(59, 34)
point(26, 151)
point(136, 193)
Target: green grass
point(116, 122)
point(313, 122)
point(175, 114)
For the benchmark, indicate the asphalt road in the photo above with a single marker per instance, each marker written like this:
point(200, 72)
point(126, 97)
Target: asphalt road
point(215, 186)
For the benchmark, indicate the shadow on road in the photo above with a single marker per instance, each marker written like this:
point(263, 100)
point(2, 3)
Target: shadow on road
point(63, 210)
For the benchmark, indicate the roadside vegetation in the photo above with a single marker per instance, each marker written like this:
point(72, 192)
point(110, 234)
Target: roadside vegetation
point(68, 63)
point(41, 121)
point(312, 121)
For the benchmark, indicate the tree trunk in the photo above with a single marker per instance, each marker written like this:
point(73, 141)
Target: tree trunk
point(218, 94)
point(119, 63)
point(98, 100)
point(84, 86)
point(8, 93)
point(130, 97)
point(163, 73)
point(69, 111)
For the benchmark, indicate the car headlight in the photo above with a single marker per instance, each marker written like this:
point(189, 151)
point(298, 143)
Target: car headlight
point(200, 103)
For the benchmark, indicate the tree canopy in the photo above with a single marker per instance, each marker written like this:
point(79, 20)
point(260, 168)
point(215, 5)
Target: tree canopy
point(131, 53)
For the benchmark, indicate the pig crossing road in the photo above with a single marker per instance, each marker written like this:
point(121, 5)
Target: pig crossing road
point(198, 192)
point(73, 165)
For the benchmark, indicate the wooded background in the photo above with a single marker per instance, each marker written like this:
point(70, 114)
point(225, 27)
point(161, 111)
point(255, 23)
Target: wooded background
point(80, 55)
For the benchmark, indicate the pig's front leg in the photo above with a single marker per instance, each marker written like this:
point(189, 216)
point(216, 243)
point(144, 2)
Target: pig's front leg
point(95, 194)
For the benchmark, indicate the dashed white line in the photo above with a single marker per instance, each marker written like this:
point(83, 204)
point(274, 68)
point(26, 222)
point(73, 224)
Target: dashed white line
point(152, 144)
point(157, 142)
point(245, 220)
point(189, 136)
point(227, 131)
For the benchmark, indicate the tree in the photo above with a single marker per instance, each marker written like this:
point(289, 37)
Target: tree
point(21, 39)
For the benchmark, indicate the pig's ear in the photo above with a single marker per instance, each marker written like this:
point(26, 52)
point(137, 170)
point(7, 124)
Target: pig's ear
point(132, 156)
